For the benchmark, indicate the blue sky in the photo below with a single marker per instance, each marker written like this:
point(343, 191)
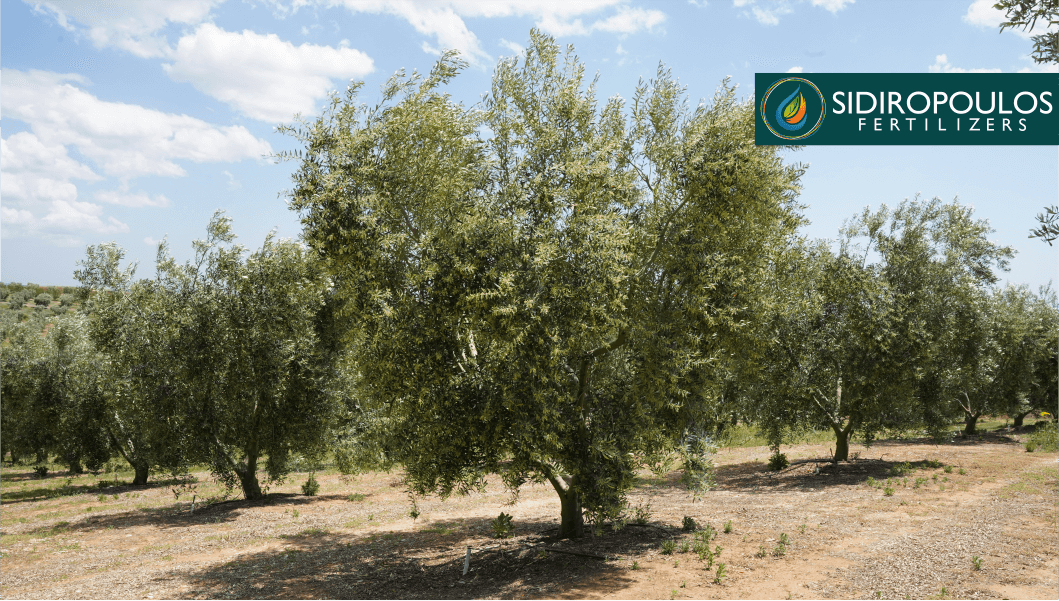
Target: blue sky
point(135, 120)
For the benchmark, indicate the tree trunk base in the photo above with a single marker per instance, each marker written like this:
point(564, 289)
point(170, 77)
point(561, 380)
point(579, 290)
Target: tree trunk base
point(140, 479)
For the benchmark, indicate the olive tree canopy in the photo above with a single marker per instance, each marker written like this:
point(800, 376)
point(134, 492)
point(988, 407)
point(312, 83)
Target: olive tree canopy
point(540, 285)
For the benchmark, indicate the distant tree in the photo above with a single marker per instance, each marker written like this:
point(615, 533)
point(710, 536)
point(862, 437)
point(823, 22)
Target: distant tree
point(225, 359)
point(51, 397)
point(540, 286)
point(43, 299)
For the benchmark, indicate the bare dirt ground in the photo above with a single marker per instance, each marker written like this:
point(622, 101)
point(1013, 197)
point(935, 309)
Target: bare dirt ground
point(847, 537)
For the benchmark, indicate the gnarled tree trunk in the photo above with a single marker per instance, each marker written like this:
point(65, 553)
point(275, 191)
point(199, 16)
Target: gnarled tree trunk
point(572, 524)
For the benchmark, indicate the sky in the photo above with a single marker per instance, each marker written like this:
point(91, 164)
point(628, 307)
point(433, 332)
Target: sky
point(133, 121)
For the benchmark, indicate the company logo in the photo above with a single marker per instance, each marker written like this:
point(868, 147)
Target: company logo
point(793, 108)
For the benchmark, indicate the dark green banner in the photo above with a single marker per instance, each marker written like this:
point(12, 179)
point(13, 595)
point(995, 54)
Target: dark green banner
point(907, 108)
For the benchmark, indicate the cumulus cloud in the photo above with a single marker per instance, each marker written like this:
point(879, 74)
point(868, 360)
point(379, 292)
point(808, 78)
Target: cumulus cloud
point(262, 76)
point(74, 216)
point(795, 70)
point(123, 140)
point(942, 65)
point(131, 25)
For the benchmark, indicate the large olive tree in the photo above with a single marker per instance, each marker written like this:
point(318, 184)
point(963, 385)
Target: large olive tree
point(540, 285)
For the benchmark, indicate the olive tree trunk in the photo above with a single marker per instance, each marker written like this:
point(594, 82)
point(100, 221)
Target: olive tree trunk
point(572, 524)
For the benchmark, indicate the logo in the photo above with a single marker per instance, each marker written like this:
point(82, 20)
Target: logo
point(793, 108)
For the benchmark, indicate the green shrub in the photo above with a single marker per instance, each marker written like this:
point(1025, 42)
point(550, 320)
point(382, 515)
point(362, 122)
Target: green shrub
point(43, 299)
point(311, 486)
point(356, 497)
point(67, 299)
point(728, 527)
point(668, 546)
point(1045, 437)
point(41, 471)
point(689, 524)
point(778, 461)
point(502, 526)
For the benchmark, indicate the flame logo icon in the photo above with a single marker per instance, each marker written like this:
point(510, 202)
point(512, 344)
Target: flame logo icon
point(791, 113)
point(798, 115)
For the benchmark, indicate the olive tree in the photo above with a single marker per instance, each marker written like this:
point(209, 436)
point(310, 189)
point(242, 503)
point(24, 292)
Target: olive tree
point(224, 359)
point(52, 401)
point(540, 285)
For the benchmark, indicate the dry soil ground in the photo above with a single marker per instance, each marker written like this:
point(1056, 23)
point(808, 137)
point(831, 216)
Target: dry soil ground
point(847, 538)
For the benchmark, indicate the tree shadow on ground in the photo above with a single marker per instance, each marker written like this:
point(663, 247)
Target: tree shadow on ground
point(755, 477)
point(113, 487)
point(179, 514)
point(428, 564)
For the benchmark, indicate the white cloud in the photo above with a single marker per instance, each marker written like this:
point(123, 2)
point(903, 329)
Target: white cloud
point(74, 216)
point(619, 50)
point(630, 21)
point(123, 198)
point(795, 70)
point(1038, 67)
point(149, 241)
point(124, 140)
point(262, 76)
point(982, 14)
point(770, 11)
point(131, 25)
point(35, 178)
point(444, 19)
point(942, 65)
point(512, 46)
point(832, 6)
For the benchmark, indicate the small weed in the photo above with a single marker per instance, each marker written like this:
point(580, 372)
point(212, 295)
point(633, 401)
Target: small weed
point(294, 513)
point(676, 563)
point(683, 583)
point(963, 472)
point(933, 463)
point(761, 553)
point(102, 498)
point(802, 528)
point(976, 563)
point(870, 482)
point(888, 491)
point(502, 526)
point(717, 551)
point(635, 565)
point(941, 488)
point(371, 516)
point(685, 546)
point(642, 513)
point(728, 527)
point(414, 514)
point(1031, 446)
point(778, 461)
point(355, 498)
point(901, 469)
point(668, 546)
point(673, 594)
point(948, 469)
point(920, 481)
point(784, 539)
point(689, 524)
point(311, 486)
point(720, 574)
point(707, 534)
point(543, 554)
